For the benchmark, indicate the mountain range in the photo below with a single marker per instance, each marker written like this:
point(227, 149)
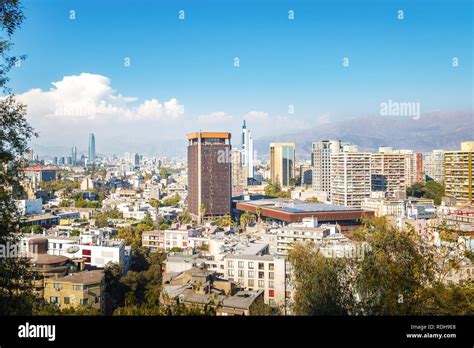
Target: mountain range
point(435, 130)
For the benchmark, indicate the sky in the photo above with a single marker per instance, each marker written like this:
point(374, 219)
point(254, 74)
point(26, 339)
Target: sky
point(140, 77)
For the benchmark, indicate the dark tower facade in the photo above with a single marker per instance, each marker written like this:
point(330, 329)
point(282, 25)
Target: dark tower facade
point(209, 174)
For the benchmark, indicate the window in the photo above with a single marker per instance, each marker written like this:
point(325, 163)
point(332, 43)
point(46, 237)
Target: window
point(271, 275)
point(251, 274)
point(261, 275)
point(261, 284)
point(272, 302)
point(250, 265)
point(271, 293)
point(77, 287)
point(241, 272)
point(271, 267)
point(57, 286)
point(54, 299)
point(84, 301)
point(230, 264)
point(241, 281)
point(251, 283)
point(231, 272)
point(66, 300)
point(270, 284)
point(241, 264)
point(261, 266)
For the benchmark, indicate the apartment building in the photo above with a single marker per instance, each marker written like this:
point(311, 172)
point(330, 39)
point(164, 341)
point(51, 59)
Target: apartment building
point(389, 171)
point(458, 173)
point(321, 163)
point(433, 166)
point(259, 272)
point(412, 208)
point(179, 236)
point(350, 177)
point(307, 231)
point(153, 240)
point(83, 288)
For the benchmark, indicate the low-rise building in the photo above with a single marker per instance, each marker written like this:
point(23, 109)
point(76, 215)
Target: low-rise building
point(153, 240)
point(84, 288)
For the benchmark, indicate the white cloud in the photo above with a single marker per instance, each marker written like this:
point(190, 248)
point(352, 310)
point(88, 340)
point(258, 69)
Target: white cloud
point(91, 97)
point(263, 124)
point(215, 117)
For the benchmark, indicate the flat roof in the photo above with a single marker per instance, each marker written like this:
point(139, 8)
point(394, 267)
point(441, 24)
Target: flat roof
point(211, 135)
point(295, 210)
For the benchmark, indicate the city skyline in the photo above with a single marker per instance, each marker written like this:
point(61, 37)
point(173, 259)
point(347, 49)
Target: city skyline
point(291, 74)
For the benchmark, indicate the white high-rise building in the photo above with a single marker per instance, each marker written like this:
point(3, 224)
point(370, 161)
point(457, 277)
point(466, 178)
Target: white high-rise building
point(350, 177)
point(247, 150)
point(433, 166)
point(321, 163)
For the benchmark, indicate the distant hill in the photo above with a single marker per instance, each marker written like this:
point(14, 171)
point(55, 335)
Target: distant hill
point(436, 130)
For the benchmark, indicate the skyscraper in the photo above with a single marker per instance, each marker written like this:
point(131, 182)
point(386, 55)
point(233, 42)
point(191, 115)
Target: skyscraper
point(350, 177)
point(92, 148)
point(282, 163)
point(247, 150)
point(321, 162)
point(74, 155)
point(433, 166)
point(209, 174)
point(389, 171)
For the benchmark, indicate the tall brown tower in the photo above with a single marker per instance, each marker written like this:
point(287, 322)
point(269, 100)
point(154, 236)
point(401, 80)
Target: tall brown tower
point(209, 174)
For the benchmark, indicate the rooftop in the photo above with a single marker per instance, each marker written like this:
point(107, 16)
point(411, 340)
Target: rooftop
point(85, 277)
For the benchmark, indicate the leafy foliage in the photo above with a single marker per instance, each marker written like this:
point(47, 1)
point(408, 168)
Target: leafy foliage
point(430, 190)
point(400, 273)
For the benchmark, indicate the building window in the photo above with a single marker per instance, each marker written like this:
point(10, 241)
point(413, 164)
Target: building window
point(271, 267)
point(251, 274)
point(251, 283)
point(271, 293)
point(230, 264)
point(54, 299)
point(77, 287)
point(66, 300)
point(271, 275)
point(261, 284)
point(241, 281)
point(241, 272)
point(84, 301)
point(231, 272)
point(250, 265)
point(261, 275)
point(57, 286)
point(261, 266)
point(272, 303)
point(270, 284)
point(241, 264)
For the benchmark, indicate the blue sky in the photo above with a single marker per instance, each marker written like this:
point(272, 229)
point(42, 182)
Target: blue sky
point(282, 62)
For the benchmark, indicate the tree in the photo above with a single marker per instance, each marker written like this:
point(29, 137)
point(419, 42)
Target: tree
point(147, 220)
point(399, 273)
point(258, 212)
point(246, 219)
point(311, 200)
point(430, 190)
point(184, 217)
point(16, 295)
point(318, 282)
point(224, 221)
